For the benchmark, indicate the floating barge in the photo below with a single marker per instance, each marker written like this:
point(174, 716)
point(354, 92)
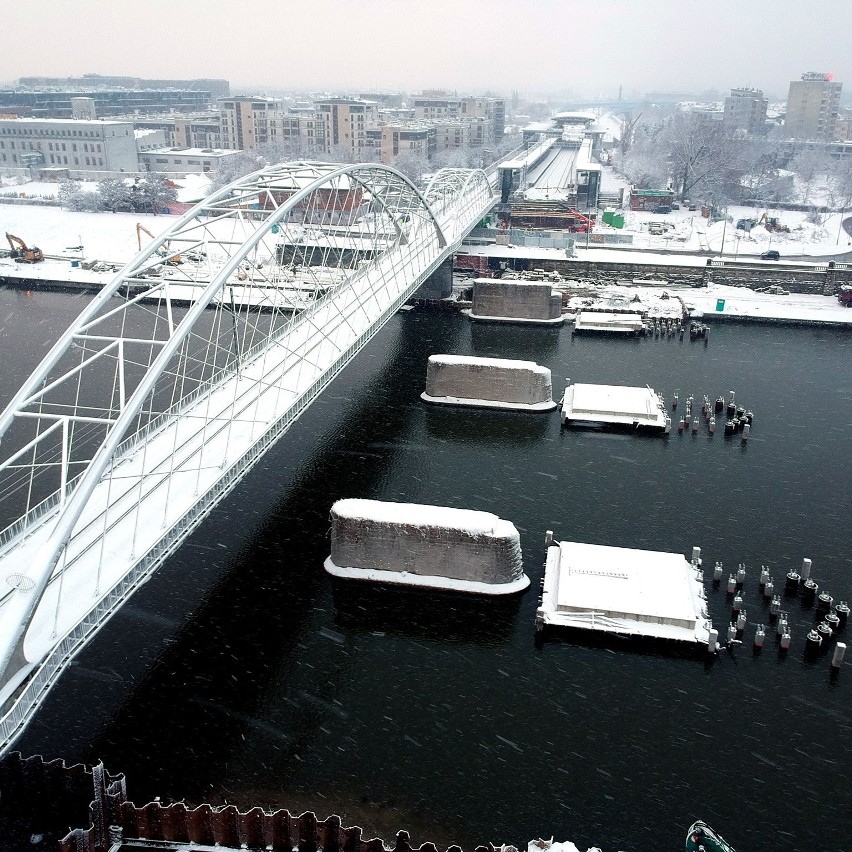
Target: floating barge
point(428, 546)
point(606, 322)
point(614, 406)
point(618, 590)
point(488, 383)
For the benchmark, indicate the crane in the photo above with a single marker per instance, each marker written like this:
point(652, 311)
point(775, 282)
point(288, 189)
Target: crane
point(140, 228)
point(21, 253)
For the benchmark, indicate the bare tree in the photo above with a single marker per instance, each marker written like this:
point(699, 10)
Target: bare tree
point(628, 125)
point(698, 153)
point(243, 163)
point(413, 166)
point(810, 164)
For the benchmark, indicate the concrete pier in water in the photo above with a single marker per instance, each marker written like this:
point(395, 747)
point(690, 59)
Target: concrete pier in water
point(516, 302)
point(430, 546)
point(488, 383)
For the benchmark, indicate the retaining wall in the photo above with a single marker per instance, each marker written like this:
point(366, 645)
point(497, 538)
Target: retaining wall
point(819, 278)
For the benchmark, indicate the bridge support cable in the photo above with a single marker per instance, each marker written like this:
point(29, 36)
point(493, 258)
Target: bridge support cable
point(183, 372)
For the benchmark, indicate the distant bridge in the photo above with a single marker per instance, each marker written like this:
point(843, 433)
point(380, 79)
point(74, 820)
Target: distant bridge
point(177, 378)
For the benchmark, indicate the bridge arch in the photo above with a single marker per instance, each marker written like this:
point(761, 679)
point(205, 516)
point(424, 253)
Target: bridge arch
point(234, 318)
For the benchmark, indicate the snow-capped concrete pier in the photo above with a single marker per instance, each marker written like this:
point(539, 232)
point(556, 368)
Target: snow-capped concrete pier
point(516, 301)
point(614, 405)
point(429, 546)
point(488, 383)
point(641, 593)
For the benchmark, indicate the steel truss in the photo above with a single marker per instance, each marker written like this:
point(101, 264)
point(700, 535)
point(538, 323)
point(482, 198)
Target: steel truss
point(180, 374)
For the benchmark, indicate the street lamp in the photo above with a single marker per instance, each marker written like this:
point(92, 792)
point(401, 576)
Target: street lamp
point(724, 229)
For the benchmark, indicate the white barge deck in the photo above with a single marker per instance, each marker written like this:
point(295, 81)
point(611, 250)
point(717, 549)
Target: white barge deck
point(607, 322)
point(614, 405)
point(641, 593)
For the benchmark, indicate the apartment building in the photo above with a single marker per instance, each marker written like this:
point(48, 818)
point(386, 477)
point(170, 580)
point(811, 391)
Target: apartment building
point(344, 121)
point(66, 143)
point(434, 107)
point(745, 110)
point(244, 121)
point(461, 133)
point(812, 107)
point(408, 137)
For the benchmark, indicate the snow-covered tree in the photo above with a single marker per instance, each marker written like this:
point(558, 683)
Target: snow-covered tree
point(74, 198)
point(152, 194)
point(115, 195)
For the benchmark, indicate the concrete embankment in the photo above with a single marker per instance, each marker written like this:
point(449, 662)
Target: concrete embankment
point(820, 278)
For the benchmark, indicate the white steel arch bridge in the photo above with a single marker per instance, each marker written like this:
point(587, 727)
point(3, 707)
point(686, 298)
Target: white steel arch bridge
point(181, 373)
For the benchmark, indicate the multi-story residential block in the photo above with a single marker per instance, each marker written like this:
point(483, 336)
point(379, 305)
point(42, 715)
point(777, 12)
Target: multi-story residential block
point(812, 105)
point(344, 122)
point(433, 107)
point(244, 121)
point(408, 137)
point(745, 110)
point(461, 133)
point(66, 143)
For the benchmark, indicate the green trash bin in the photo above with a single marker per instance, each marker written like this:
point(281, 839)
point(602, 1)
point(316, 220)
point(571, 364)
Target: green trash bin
point(720, 304)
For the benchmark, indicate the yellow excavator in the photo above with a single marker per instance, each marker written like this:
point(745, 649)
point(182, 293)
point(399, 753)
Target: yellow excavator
point(174, 259)
point(21, 253)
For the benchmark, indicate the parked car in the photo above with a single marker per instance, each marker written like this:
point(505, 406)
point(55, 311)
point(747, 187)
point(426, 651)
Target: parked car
point(663, 208)
point(675, 205)
point(770, 255)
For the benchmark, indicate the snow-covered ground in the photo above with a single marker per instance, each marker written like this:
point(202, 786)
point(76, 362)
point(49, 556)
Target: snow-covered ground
point(738, 302)
point(190, 189)
point(111, 238)
point(690, 232)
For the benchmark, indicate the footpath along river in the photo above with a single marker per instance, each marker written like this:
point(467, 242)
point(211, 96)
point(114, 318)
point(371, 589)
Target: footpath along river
point(241, 673)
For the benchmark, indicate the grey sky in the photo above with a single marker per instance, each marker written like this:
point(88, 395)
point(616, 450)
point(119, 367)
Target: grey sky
point(534, 46)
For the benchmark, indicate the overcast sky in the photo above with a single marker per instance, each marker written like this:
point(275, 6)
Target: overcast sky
point(534, 46)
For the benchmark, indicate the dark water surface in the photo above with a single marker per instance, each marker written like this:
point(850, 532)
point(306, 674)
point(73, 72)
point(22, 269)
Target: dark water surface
point(241, 673)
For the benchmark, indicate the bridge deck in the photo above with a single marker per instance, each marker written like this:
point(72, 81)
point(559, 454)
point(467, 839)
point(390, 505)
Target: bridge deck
point(168, 479)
